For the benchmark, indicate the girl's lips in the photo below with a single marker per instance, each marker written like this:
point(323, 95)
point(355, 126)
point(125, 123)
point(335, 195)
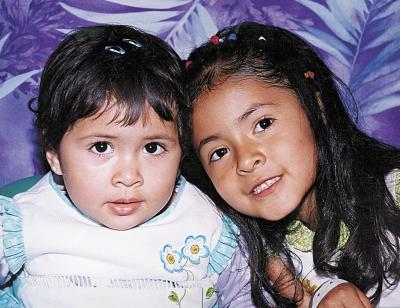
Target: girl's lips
point(264, 185)
point(124, 208)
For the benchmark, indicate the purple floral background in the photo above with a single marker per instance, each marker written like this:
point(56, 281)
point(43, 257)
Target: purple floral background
point(359, 39)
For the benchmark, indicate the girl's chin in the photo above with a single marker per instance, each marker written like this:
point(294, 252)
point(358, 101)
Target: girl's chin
point(277, 212)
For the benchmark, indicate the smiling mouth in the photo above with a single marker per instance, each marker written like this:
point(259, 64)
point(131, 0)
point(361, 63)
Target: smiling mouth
point(265, 185)
point(124, 208)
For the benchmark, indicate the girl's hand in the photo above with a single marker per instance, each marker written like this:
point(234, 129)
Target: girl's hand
point(345, 295)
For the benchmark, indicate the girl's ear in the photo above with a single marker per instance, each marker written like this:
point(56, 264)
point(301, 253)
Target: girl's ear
point(54, 161)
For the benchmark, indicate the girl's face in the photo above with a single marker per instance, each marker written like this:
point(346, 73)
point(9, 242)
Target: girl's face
point(121, 176)
point(256, 145)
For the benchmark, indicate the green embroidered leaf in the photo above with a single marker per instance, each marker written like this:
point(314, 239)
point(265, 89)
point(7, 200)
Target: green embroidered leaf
point(210, 291)
point(173, 297)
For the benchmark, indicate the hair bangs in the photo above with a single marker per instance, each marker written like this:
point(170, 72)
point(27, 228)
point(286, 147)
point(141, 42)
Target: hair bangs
point(132, 96)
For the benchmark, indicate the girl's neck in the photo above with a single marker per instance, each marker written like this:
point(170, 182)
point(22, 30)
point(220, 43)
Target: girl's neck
point(307, 211)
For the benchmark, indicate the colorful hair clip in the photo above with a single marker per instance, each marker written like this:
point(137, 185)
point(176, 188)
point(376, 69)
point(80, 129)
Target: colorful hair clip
point(232, 37)
point(214, 40)
point(187, 64)
point(309, 75)
point(115, 49)
point(132, 42)
point(261, 38)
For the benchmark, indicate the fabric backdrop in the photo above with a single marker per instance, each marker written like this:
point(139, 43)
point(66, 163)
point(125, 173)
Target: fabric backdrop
point(359, 39)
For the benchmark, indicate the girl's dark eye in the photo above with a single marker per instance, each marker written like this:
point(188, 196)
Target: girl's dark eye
point(218, 154)
point(263, 124)
point(101, 147)
point(154, 148)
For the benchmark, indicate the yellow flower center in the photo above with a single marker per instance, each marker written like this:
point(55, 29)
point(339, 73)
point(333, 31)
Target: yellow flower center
point(195, 249)
point(170, 259)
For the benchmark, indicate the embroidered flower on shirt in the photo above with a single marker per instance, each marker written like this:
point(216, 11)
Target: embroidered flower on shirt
point(175, 260)
point(309, 287)
point(195, 249)
point(171, 259)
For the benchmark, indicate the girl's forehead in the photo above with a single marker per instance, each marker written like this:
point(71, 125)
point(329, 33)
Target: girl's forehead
point(241, 91)
point(121, 115)
point(111, 123)
point(128, 113)
point(235, 103)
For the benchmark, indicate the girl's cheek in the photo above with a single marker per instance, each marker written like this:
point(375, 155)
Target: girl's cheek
point(223, 184)
point(216, 180)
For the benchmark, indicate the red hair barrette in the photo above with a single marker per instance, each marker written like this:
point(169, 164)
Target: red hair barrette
point(214, 40)
point(187, 64)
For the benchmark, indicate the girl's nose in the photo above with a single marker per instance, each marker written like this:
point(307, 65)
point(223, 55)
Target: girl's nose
point(127, 175)
point(249, 158)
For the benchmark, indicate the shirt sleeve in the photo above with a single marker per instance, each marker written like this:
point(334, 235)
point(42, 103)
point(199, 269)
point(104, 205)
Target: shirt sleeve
point(233, 285)
point(4, 268)
point(12, 254)
point(229, 264)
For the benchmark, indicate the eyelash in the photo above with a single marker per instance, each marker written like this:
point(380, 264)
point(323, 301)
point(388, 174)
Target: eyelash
point(162, 146)
point(93, 149)
point(159, 147)
point(215, 152)
point(270, 121)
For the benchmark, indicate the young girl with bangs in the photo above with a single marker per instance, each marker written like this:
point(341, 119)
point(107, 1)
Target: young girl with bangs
point(114, 223)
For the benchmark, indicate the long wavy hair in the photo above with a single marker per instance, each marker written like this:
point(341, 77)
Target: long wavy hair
point(351, 166)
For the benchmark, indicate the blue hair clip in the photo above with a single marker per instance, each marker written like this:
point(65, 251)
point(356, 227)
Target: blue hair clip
point(232, 37)
point(115, 49)
point(132, 42)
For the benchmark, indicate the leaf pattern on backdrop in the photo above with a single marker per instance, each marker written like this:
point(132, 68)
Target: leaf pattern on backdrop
point(360, 39)
point(14, 82)
point(27, 36)
point(30, 29)
point(229, 12)
point(173, 20)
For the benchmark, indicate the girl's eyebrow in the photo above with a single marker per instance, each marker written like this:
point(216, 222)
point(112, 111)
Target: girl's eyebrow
point(105, 136)
point(160, 137)
point(206, 140)
point(251, 109)
point(149, 137)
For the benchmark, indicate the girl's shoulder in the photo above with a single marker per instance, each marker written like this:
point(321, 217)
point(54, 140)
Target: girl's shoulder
point(12, 253)
point(393, 183)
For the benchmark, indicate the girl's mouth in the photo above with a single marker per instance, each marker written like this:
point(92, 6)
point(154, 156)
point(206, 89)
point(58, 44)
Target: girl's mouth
point(124, 208)
point(264, 185)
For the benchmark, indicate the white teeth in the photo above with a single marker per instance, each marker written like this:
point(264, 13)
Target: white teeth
point(265, 185)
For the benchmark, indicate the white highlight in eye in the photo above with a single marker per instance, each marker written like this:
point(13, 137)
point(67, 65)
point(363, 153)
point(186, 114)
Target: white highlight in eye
point(101, 148)
point(218, 154)
point(263, 124)
point(153, 148)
